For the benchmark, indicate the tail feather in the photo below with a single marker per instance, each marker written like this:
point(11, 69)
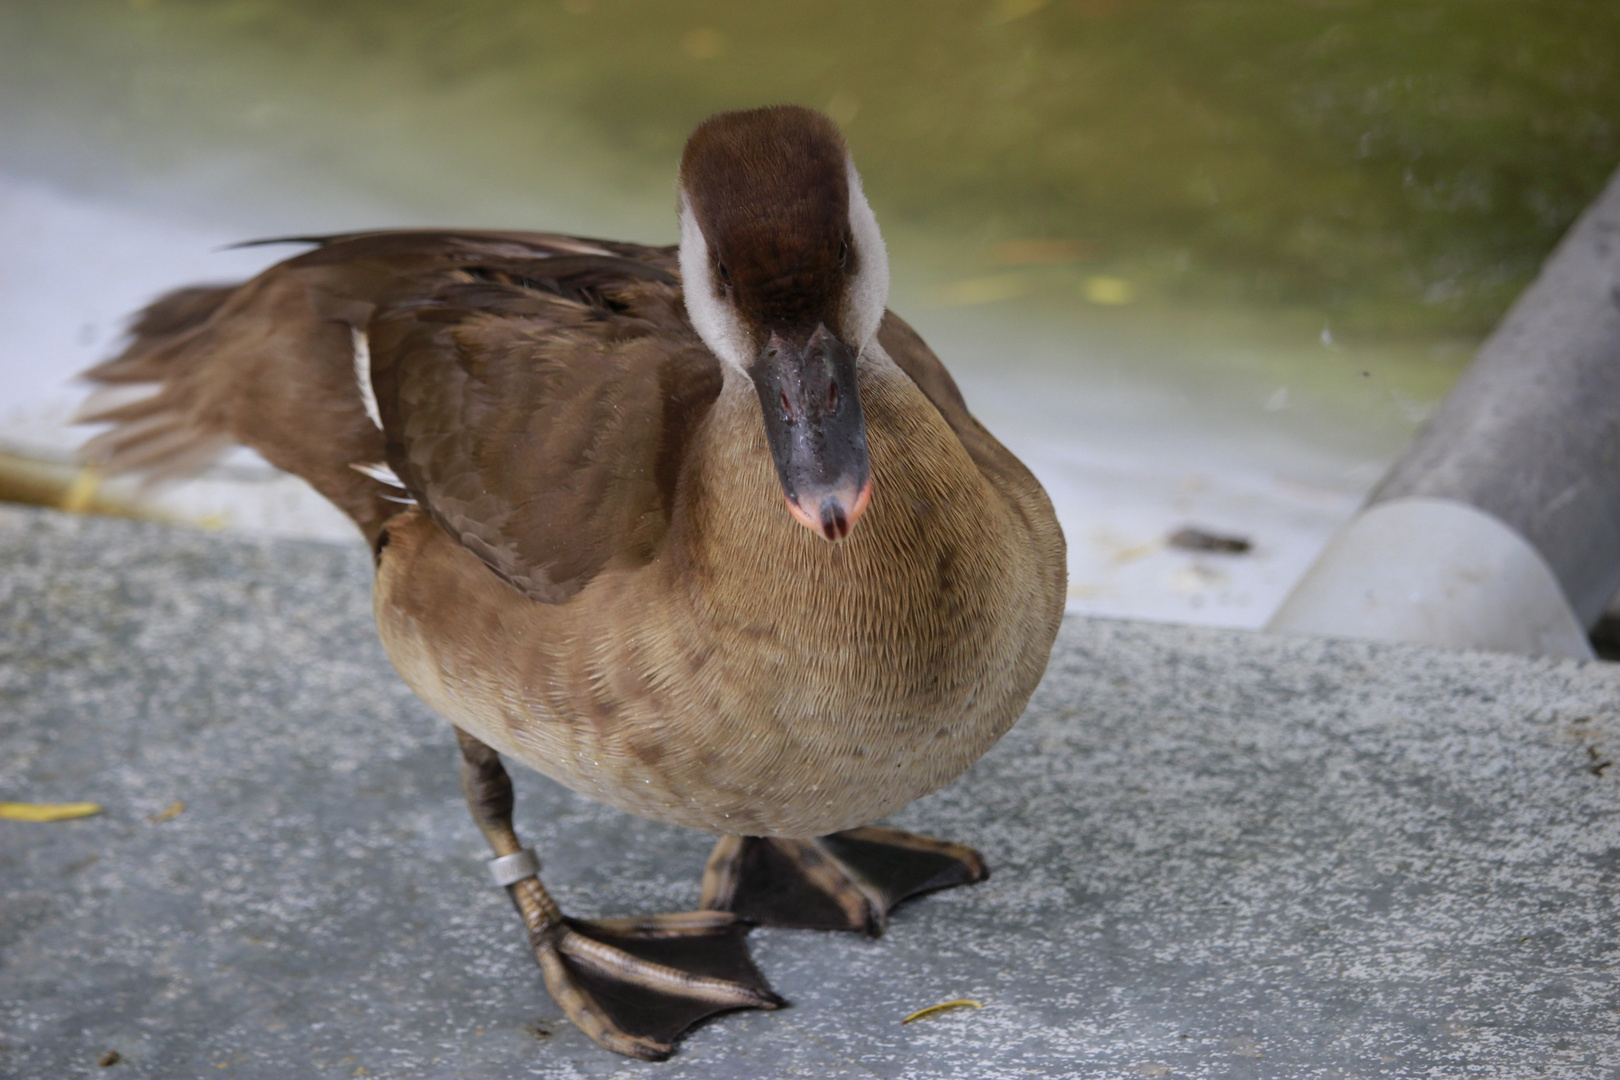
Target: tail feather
point(162, 323)
point(119, 402)
point(210, 366)
point(181, 310)
point(164, 446)
point(142, 397)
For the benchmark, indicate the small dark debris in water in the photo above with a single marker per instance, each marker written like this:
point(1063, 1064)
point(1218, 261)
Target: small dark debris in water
point(1192, 538)
point(1599, 763)
point(542, 1029)
point(111, 1057)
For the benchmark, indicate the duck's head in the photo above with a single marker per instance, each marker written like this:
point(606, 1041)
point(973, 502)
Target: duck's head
point(786, 279)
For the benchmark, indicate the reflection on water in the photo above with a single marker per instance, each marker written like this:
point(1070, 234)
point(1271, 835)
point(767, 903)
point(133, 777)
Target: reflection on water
point(1293, 219)
point(1396, 168)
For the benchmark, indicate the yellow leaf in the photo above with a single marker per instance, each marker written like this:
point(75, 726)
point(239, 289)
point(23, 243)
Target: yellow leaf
point(1111, 291)
point(59, 811)
point(944, 1006)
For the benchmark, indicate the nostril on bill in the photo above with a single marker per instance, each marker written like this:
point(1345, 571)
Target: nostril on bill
point(834, 522)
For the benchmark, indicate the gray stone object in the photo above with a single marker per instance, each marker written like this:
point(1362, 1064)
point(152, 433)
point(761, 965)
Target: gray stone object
point(1531, 432)
point(1499, 528)
point(1216, 854)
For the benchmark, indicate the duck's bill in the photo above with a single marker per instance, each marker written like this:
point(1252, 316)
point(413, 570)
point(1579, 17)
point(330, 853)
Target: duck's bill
point(831, 513)
point(812, 409)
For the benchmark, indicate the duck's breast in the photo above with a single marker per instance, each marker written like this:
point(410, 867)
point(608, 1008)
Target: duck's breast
point(754, 678)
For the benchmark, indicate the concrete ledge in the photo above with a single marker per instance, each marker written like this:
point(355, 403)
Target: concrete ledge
point(1216, 854)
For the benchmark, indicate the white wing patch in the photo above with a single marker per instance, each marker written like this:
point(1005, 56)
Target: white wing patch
point(362, 379)
point(576, 246)
point(379, 472)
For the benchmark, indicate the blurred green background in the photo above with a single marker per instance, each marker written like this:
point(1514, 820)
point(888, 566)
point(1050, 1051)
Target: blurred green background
point(1241, 182)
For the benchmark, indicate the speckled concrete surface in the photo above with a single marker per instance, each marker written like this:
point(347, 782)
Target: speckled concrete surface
point(1216, 855)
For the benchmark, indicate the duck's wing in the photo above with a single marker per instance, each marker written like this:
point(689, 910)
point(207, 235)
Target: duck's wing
point(531, 391)
point(538, 409)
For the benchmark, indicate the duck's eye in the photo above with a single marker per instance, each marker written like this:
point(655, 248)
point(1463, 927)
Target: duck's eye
point(725, 275)
point(843, 254)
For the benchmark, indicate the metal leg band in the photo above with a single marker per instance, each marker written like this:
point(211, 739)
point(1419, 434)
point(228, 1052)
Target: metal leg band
point(511, 869)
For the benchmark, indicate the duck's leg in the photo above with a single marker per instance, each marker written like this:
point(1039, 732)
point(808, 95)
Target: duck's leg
point(633, 985)
point(843, 881)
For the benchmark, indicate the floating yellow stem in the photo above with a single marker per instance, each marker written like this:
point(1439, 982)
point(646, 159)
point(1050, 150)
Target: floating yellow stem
point(944, 1006)
point(46, 811)
point(173, 810)
point(81, 494)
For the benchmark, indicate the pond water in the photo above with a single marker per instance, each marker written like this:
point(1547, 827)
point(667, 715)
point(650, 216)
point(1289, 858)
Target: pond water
point(1199, 262)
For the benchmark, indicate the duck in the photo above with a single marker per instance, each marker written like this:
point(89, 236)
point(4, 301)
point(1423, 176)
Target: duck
point(703, 531)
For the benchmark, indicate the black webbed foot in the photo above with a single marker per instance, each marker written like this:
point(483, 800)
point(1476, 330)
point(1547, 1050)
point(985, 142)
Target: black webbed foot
point(843, 881)
point(632, 985)
point(635, 985)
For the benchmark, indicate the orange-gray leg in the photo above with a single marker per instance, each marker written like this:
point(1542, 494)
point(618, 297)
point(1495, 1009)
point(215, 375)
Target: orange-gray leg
point(843, 881)
point(633, 985)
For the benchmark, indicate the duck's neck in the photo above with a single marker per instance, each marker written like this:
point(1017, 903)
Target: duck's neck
point(734, 498)
point(736, 531)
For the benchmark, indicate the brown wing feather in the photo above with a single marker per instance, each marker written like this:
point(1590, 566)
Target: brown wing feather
point(422, 246)
point(541, 433)
point(270, 363)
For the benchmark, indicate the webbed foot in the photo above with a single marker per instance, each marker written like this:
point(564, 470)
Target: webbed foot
point(847, 880)
point(634, 985)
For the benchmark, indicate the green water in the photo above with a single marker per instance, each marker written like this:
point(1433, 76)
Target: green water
point(1249, 178)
